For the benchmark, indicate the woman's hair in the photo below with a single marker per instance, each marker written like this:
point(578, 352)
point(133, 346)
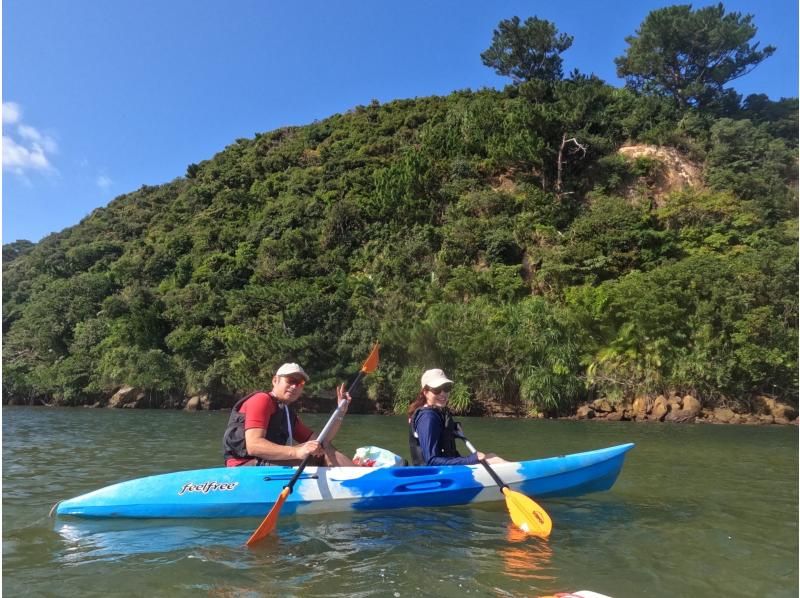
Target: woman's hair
point(417, 403)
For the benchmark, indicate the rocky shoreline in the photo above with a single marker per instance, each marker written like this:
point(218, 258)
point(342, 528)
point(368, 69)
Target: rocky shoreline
point(763, 410)
point(688, 409)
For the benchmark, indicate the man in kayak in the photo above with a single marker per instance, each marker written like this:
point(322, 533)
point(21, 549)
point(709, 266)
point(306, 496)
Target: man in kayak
point(264, 428)
point(432, 430)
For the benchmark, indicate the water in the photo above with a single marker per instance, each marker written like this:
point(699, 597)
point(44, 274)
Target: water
point(698, 510)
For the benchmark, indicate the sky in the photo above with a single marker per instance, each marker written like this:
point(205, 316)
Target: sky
point(100, 98)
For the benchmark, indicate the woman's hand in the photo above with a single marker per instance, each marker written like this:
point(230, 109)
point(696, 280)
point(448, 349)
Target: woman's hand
point(490, 457)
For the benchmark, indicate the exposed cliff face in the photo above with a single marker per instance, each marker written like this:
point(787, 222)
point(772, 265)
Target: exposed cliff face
point(676, 171)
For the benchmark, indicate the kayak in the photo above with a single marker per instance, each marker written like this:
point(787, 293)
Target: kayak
point(224, 492)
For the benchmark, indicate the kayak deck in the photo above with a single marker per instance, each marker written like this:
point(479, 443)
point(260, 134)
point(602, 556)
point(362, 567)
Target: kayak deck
point(251, 491)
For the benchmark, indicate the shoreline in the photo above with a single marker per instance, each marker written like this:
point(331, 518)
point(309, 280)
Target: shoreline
point(646, 409)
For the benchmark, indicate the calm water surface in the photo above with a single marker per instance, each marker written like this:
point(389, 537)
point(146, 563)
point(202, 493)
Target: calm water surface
point(698, 510)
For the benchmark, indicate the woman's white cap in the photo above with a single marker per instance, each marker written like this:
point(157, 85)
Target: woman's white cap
point(288, 369)
point(435, 379)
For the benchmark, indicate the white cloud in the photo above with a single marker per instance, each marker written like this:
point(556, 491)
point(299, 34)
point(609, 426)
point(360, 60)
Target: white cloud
point(35, 137)
point(24, 147)
point(104, 182)
point(18, 158)
point(11, 112)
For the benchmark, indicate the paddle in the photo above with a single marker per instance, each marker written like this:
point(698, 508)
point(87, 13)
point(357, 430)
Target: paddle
point(271, 520)
point(526, 514)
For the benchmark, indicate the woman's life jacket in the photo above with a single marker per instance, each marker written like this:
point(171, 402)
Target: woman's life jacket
point(233, 445)
point(447, 441)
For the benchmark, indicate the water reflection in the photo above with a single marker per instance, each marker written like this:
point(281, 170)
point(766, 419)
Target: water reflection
point(526, 557)
point(98, 540)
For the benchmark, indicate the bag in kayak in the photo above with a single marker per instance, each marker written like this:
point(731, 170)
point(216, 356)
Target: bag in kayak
point(375, 456)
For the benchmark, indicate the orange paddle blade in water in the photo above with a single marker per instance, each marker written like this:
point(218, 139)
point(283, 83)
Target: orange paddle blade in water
point(527, 515)
point(271, 520)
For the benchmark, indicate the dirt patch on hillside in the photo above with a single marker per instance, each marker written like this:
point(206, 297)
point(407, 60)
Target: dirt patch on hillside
point(675, 172)
point(504, 182)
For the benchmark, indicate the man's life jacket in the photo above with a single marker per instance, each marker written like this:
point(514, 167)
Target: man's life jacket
point(447, 441)
point(233, 445)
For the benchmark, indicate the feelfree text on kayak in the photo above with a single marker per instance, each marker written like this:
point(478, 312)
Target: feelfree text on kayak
point(207, 487)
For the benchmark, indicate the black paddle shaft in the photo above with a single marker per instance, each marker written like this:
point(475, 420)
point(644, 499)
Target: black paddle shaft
point(501, 484)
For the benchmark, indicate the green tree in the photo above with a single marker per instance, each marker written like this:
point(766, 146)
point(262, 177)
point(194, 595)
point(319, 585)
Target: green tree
point(690, 54)
point(528, 51)
point(607, 241)
point(519, 354)
point(779, 118)
point(12, 251)
point(750, 162)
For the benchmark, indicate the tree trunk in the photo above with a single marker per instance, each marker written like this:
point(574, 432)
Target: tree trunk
point(561, 160)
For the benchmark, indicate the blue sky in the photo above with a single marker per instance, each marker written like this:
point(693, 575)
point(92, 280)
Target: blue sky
point(100, 98)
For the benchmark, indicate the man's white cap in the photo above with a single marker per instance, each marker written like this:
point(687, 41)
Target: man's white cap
point(288, 369)
point(435, 379)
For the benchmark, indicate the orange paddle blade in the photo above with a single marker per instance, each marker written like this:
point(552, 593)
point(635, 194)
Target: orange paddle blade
point(270, 521)
point(371, 364)
point(527, 515)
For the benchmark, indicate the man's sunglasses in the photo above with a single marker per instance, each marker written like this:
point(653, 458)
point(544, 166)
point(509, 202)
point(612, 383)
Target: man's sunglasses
point(441, 389)
point(296, 381)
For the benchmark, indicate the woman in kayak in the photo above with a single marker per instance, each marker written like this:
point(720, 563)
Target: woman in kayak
point(264, 428)
point(432, 431)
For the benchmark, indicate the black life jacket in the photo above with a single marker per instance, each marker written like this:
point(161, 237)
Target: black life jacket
point(447, 441)
point(233, 445)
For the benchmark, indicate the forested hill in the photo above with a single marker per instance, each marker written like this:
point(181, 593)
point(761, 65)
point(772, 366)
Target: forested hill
point(500, 235)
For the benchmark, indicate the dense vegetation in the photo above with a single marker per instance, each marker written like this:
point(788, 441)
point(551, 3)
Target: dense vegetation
point(497, 234)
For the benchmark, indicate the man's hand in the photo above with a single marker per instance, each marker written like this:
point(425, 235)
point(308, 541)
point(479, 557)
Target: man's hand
point(343, 399)
point(312, 447)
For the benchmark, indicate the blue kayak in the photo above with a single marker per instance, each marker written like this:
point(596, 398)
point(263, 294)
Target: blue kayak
point(252, 491)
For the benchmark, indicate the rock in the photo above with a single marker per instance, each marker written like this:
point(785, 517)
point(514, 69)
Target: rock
point(641, 407)
point(725, 415)
point(198, 403)
point(616, 416)
point(680, 416)
point(585, 412)
point(660, 408)
point(602, 405)
point(778, 410)
point(766, 418)
point(125, 397)
point(138, 402)
point(691, 405)
point(786, 411)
